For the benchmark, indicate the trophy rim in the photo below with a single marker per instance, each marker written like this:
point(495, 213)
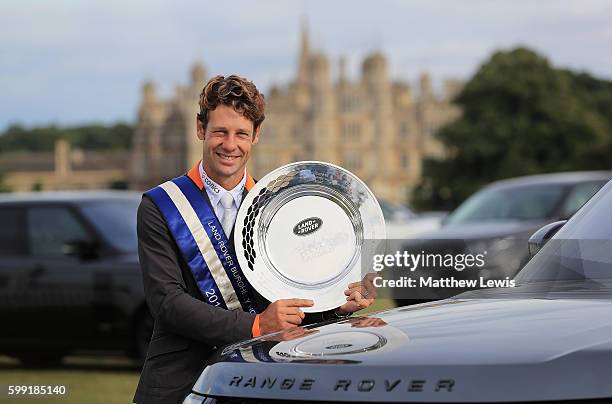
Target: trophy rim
point(251, 253)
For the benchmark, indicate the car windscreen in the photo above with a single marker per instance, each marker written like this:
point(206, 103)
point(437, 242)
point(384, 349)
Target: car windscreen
point(581, 252)
point(392, 212)
point(521, 203)
point(116, 220)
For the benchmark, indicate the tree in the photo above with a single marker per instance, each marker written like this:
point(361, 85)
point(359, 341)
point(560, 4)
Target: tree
point(37, 186)
point(520, 116)
point(88, 137)
point(3, 186)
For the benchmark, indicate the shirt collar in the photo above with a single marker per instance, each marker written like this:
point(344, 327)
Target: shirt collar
point(215, 191)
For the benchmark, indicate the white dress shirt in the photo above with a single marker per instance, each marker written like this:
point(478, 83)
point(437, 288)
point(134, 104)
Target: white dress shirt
point(215, 191)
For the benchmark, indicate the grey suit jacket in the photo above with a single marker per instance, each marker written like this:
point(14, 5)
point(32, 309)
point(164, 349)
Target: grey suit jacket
point(187, 330)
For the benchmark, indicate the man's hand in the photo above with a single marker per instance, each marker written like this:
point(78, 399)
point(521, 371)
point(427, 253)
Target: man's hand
point(360, 295)
point(283, 314)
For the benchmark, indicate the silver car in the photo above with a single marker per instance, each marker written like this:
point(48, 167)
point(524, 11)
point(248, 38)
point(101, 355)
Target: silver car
point(547, 339)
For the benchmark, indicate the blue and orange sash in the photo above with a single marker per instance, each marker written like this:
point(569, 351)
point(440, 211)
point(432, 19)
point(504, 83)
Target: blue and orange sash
point(203, 243)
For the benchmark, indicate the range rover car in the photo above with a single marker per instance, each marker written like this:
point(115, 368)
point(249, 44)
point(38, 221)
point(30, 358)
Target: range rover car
point(69, 275)
point(548, 339)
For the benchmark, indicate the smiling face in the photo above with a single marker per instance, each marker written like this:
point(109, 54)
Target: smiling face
point(227, 142)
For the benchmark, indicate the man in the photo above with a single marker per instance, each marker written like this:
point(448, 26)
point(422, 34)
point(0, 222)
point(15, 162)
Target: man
point(194, 301)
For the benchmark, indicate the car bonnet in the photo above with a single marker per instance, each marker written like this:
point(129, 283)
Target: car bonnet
point(453, 351)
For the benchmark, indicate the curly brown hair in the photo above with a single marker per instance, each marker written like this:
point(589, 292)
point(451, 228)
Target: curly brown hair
point(237, 92)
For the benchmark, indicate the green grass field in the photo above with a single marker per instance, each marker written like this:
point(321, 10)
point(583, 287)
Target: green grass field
point(94, 380)
point(88, 379)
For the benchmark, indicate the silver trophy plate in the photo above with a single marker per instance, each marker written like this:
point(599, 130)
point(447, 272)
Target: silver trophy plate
point(300, 232)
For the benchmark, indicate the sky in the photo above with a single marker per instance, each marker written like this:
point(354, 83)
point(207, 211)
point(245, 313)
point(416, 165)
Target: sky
point(71, 62)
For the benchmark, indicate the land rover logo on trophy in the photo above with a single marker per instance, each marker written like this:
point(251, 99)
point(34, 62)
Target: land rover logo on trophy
point(307, 226)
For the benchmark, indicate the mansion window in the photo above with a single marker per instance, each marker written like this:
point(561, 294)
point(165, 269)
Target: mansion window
point(349, 103)
point(404, 129)
point(404, 161)
point(351, 130)
point(353, 161)
point(296, 132)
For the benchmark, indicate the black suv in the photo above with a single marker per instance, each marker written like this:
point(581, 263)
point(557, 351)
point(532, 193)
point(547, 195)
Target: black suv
point(69, 275)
